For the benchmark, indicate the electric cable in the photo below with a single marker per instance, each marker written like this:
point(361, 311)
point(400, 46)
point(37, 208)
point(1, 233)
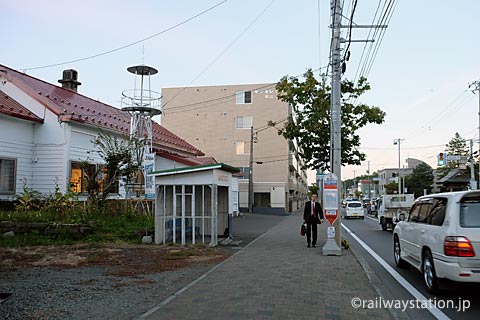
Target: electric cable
point(130, 44)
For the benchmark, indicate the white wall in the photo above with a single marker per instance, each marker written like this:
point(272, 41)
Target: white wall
point(50, 148)
point(16, 142)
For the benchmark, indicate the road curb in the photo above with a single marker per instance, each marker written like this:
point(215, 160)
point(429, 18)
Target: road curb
point(375, 281)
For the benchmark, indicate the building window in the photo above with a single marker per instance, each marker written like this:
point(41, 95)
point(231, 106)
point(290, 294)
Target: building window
point(81, 173)
point(240, 147)
point(7, 176)
point(246, 172)
point(243, 97)
point(244, 122)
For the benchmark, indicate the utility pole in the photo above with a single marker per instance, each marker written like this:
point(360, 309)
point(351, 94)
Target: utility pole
point(250, 180)
point(369, 181)
point(476, 85)
point(473, 182)
point(354, 186)
point(332, 247)
point(395, 142)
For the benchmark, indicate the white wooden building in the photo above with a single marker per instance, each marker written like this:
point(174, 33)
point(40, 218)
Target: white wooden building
point(46, 132)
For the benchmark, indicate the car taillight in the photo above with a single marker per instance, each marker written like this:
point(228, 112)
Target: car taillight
point(458, 247)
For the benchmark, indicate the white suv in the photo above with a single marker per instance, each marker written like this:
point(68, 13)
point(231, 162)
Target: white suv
point(441, 238)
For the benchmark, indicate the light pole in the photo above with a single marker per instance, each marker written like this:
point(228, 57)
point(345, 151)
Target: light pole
point(369, 181)
point(397, 142)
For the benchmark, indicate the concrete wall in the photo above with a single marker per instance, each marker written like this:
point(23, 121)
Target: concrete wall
point(211, 127)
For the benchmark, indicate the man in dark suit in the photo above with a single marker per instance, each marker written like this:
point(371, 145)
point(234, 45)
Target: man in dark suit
point(312, 215)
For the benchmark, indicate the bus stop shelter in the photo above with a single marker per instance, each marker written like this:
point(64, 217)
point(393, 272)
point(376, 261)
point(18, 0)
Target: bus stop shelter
point(194, 204)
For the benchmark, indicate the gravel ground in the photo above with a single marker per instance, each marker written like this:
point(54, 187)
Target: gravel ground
point(87, 293)
point(99, 292)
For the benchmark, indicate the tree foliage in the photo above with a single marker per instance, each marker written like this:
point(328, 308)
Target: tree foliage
point(310, 100)
point(391, 188)
point(420, 179)
point(120, 157)
point(312, 189)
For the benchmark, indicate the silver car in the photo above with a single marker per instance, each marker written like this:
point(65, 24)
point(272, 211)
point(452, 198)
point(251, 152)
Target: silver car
point(441, 238)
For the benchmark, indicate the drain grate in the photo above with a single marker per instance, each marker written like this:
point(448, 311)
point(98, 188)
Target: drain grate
point(4, 296)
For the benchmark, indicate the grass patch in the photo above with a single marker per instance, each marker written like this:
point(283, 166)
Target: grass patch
point(106, 228)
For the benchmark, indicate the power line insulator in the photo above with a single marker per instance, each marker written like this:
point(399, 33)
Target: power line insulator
point(344, 67)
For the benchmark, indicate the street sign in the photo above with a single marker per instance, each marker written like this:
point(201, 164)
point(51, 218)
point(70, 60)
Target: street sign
point(330, 198)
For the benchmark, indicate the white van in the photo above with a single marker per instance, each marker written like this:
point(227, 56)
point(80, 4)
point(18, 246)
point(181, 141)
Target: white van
point(354, 209)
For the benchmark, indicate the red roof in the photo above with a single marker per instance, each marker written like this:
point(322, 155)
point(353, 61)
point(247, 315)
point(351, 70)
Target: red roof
point(12, 108)
point(72, 106)
point(189, 161)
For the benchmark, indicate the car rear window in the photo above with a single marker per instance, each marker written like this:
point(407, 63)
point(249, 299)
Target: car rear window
point(470, 212)
point(354, 205)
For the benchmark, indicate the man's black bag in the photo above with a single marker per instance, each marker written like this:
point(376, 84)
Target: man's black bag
point(303, 230)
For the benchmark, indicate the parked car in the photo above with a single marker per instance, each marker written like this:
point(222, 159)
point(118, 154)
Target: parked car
point(354, 209)
point(441, 238)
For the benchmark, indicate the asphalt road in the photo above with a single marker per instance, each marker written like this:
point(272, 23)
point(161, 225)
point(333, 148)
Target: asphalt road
point(370, 232)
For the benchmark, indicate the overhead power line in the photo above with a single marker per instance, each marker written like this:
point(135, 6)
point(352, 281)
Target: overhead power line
point(219, 100)
point(223, 51)
point(130, 44)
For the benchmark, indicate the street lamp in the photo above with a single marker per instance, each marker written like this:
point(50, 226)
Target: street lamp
point(397, 142)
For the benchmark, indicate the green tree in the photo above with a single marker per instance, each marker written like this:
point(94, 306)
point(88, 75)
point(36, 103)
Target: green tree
point(310, 100)
point(420, 179)
point(120, 157)
point(312, 189)
point(391, 188)
point(456, 146)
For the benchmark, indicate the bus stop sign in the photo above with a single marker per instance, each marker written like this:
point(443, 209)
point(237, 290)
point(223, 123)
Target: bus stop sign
point(330, 198)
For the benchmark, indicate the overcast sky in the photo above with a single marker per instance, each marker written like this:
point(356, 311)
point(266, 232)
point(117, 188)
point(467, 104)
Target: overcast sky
point(420, 76)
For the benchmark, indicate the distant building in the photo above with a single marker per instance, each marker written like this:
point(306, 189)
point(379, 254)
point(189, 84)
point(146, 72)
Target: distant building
point(389, 175)
point(218, 119)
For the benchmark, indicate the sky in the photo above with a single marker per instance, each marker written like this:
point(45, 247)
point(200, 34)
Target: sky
point(420, 76)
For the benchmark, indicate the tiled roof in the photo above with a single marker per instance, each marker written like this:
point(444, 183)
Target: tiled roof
point(72, 106)
point(189, 161)
point(12, 108)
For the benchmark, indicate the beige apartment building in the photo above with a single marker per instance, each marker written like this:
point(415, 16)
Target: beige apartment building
point(218, 121)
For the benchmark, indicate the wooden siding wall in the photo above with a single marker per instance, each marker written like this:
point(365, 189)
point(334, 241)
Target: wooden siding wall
point(16, 137)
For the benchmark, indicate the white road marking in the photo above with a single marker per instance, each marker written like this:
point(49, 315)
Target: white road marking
point(401, 280)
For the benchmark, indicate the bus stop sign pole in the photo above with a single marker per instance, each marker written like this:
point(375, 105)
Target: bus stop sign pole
point(330, 212)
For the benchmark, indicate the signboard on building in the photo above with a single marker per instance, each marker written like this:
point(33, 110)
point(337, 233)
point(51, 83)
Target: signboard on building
point(149, 165)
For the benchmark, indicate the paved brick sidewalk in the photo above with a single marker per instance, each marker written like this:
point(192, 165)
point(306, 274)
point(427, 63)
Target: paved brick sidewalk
point(277, 277)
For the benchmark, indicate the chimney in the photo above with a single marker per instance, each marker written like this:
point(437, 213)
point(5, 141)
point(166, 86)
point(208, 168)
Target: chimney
point(70, 80)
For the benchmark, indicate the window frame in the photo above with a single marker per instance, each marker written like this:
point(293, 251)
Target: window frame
point(237, 118)
point(14, 176)
point(101, 177)
point(241, 97)
point(236, 146)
